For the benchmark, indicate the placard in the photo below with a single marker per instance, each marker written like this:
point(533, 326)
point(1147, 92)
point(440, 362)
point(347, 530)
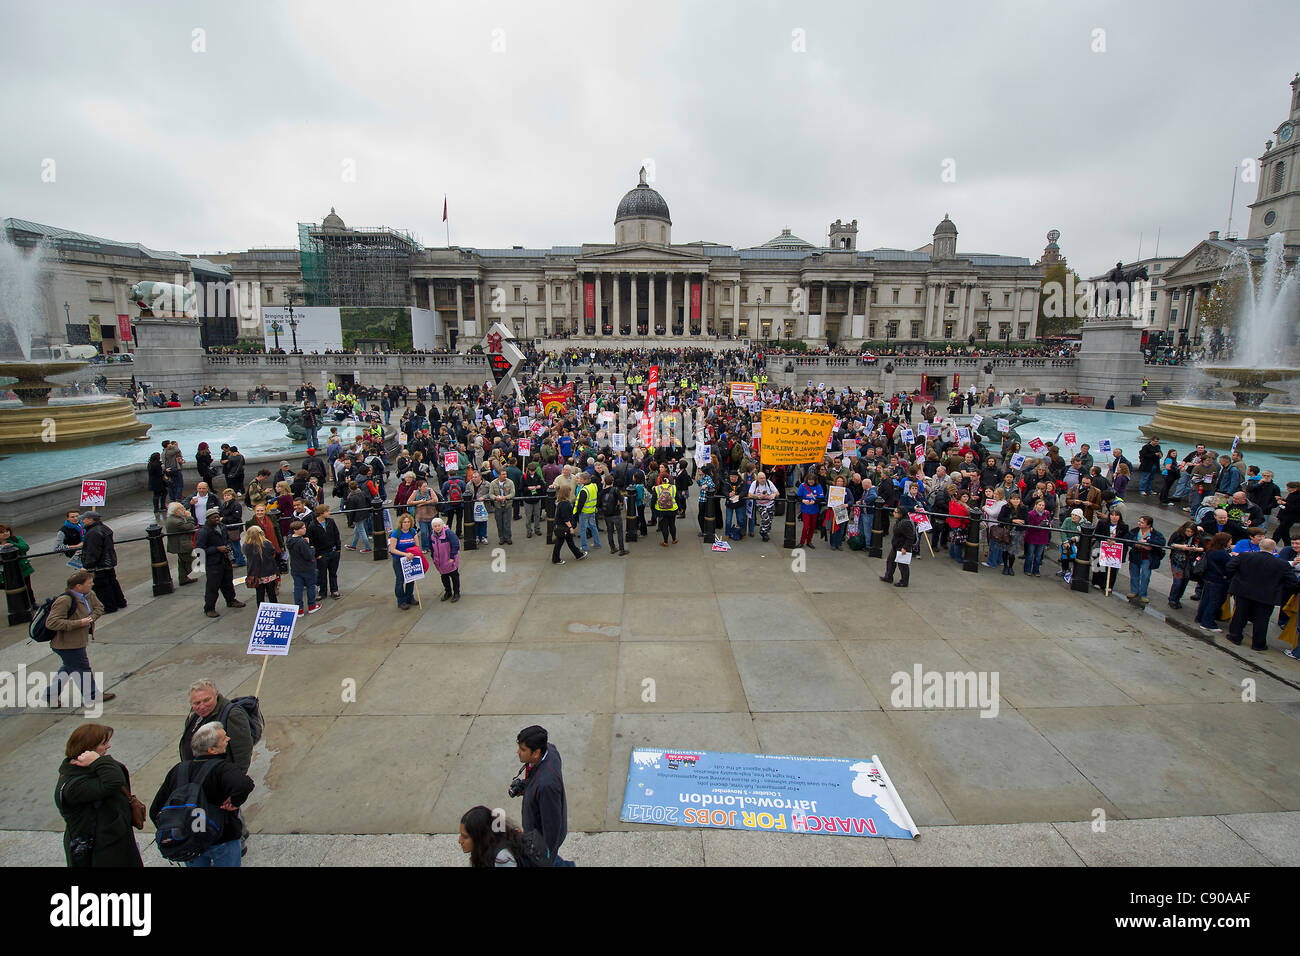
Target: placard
point(618, 441)
point(909, 436)
point(94, 492)
point(273, 629)
point(922, 522)
point(525, 447)
point(1071, 440)
point(835, 496)
point(1112, 554)
point(976, 421)
point(412, 569)
point(1017, 461)
point(1004, 426)
point(1037, 445)
point(793, 438)
point(850, 446)
point(450, 461)
point(1103, 446)
point(963, 435)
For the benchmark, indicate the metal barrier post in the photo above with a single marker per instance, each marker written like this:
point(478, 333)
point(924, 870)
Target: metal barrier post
point(1081, 578)
point(631, 532)
point(380, 539)
point(791, 510)
point(162, 572)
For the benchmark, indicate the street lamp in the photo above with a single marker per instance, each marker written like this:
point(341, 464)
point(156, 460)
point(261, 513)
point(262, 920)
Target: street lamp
point(67, 325)
point(293, 327)
point(525, 316)
point(276, 329)
point(988, 316)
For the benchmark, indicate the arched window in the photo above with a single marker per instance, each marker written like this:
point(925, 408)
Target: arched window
point(1279, 176)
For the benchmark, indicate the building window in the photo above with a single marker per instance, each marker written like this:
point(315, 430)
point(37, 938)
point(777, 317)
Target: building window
point(1006, 300)
point(871, 330)
point(916, 330)
point(517, 293)
point(947, 330)
point(1024, 330)
point(916, 297)
point(892, 329)
point(873, 295)
point(952, 296)
point(744, 295)
point(1154, 293)
point(1151, 316)
point(895, 296)
point(1176, 294)
point(642, 232)
point(1157, 267)
point(982, 330)
point(726, 294)
point(1279, 176)
point(1173, 316)
point(767, 294)
point(663, 233)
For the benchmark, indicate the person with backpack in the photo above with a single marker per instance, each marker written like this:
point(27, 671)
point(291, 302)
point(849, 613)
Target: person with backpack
point(611, 509)
point(196, 810)
point(664, 496)
point(70, 620)
point(545, 806)
point(453, 493)
point(94, 798)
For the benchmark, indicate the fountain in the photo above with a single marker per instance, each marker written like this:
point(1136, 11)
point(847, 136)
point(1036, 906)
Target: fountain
point(1265, 353)
point(35, 421)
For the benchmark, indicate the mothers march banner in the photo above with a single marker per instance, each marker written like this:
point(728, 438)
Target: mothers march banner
point(795, 438)
point(793, 794)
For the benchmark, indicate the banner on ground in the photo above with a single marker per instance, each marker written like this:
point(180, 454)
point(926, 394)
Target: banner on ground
point(93, 493)
point(273, 629)
point(742, 393)
point(556, 399)
point(793, 438)
point(781, 793)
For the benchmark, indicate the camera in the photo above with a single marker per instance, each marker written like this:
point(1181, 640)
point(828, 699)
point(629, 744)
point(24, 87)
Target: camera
point(518, 784)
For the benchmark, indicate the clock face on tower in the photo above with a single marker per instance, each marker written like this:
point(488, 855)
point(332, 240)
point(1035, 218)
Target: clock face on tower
point(1284, 132)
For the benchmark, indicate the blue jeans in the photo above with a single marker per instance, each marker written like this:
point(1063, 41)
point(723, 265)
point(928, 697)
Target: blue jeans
point(867, 523)
point(76, 665)
point(1178, 589)
point(405, 593)
point(363, 533)
point(313, 435)
point(1144, 484)
point(237, 553)
point(1033, 557)
point(995, 554)
point(1184, 482)
point(1212, 595)
point(587, 523)
point(736, 522)
point(223, 854)
point(1197, 497)
point(956, 551)
point(304, 581)
point(1139, 577)
point(426, 533)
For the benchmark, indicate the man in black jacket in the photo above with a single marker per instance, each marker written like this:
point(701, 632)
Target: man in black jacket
point(901, 539)
point(325, 539)
point(100, 558)
point(545, 807)
point(226, 787)
point(215, 543)
point(1258, 581)
point(233, 469)
point(1148, 464)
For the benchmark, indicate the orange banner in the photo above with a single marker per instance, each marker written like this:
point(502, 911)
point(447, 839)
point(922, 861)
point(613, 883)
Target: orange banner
point(795, 438)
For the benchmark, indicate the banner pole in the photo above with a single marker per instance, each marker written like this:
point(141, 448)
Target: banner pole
point(258, 692)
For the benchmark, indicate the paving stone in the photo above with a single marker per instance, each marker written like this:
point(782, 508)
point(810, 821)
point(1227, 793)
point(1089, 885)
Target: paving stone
point(1184, 841)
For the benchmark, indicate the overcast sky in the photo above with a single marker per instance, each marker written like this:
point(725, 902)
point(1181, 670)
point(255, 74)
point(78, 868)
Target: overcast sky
point(535, 141)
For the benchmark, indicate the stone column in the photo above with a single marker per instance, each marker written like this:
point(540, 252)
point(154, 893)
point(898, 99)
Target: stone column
point(961, 309)
point(460, 303)
point(478, 314)
point(735, 307)
point(929, 308)
point(848, 316)
point(550, 321)
point(668, 305)
point(650, 322)
point(598, 308)
point(632, 323)
point(866, 311)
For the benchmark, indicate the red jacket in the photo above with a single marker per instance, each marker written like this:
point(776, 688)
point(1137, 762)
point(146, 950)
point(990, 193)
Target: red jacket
point(957, 513)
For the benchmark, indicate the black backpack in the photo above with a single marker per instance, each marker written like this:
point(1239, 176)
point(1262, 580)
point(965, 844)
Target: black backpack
point(613, 503)
point(37, 630)
point(188, 823)
point(250, 706)
point(534, 850)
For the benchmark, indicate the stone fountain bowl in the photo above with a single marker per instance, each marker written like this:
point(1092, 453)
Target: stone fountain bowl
point(31, 386)
point(1250, 386)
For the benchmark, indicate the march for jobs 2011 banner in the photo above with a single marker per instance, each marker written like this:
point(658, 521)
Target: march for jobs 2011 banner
point(791, 794)
point(794, 438)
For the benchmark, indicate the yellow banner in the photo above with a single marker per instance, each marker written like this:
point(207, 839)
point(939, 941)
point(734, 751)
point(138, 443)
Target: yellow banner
point(794, 438)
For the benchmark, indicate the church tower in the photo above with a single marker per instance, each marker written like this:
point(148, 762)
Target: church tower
point(1277, 205)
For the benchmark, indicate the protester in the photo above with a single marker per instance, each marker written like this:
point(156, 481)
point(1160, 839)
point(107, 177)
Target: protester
point(1258, 581)
point(7, 536)
point(263, 566)
point(324, 535)
point(225, 788)
point(94, 798)
point(214, 543)
point(100, 558)
point(664, 496)
point(444, 554)
point(1144, 557)
point(403, 542)
point(1214, 583)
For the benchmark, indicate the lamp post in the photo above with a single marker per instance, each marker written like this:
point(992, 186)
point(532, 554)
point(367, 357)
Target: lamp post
point(276, 328)
point(293, 327)
point(67, 325)
point(525, 316)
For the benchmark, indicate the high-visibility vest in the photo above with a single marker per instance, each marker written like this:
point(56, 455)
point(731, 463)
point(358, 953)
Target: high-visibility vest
point(588, 506)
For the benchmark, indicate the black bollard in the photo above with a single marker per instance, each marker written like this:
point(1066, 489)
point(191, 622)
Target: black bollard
point(16, 597)
point(791, 511)
point(631, 532)
point(380, 542)
point(162, 572)
point(469, 540)
point(879, 526)
point(710, 523)
point(548, 505)
point(1081, 578)
point(972, 563)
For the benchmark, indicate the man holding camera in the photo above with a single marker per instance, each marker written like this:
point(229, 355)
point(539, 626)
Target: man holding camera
point(545, 807)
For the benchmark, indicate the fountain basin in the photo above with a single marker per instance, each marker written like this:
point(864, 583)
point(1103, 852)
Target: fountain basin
point(68, 424)
point(1262, 428)
point(31, 386)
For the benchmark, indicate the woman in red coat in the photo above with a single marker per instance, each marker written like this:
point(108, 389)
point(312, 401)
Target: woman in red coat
point(959, 524)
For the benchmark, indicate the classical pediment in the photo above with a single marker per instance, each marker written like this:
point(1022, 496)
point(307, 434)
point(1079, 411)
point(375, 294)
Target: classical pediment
point(1204, 257)
point(640, 254)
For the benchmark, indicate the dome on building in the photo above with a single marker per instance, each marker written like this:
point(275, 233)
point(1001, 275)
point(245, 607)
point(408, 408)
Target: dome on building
point(332, 223)
point(945, 228)
point(787, 240)
point(642, 202)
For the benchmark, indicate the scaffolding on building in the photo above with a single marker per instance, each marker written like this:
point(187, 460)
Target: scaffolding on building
point(356, 267)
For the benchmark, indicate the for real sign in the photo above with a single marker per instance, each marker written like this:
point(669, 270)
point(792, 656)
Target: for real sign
point(273, 629)
point(93, 493)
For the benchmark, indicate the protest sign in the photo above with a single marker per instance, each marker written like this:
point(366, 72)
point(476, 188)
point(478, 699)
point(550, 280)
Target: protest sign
point(499, 424)
point(1037, 445)
point(835, 496)
point(976, 421)
point(742, 393)
point(909, 436)
point(963, 435)
point(1004, 426)
point(1112, 554)
point(450, 461)
point(525, 447)
point(273, 629)
point(792, 438)
point(1103, 445)
point(1017, 461)
point(618, 441)
point(850, 446)
point(412, 569)
point(1071, 440)
point(93, 493)
point(922, 522)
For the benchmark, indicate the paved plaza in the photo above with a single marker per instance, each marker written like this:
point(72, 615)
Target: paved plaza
point(1103, 708)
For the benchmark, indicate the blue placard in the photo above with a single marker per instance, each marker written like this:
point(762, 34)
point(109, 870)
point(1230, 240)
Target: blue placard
point(782, 793)
point(273, 629)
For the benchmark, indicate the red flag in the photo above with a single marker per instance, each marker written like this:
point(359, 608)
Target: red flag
point(444, 208)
